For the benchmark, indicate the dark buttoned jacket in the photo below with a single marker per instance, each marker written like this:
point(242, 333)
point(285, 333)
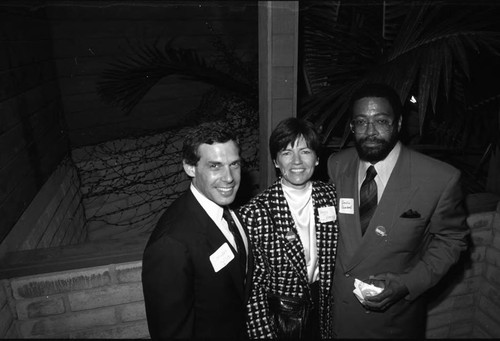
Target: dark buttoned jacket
point(184, 296)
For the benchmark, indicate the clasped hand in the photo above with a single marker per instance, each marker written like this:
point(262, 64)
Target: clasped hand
point(394, 291)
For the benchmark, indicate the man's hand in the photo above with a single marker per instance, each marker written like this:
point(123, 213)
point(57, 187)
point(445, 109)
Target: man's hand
point(394, 291)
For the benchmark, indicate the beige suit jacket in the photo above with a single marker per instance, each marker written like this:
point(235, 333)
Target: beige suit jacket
point(421, 249)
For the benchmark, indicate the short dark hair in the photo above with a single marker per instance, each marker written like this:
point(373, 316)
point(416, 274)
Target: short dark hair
point(379, 90)
point(287, 132)
point(209, 133)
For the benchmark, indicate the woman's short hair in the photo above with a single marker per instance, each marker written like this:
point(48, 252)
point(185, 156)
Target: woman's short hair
point(288, 131)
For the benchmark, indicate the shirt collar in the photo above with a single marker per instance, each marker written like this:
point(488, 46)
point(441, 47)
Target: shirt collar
point(384, 167)
point(213, 210)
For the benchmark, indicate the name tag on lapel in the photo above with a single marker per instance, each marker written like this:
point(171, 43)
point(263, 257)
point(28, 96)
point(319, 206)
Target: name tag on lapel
point(346, 206)
point(221, 257)
point(327, 214)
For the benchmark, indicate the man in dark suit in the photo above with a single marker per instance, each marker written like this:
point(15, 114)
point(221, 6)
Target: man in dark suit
point(195, 264)
point(406, 226)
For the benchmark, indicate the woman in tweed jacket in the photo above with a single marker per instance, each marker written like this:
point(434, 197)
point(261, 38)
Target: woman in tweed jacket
point(293, 230)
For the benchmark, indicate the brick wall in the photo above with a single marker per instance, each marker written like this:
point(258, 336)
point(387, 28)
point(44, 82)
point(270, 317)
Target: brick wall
point(7, 316)
point(97, 302)
point(488, 301)
point(106, 301)
point(467, 301)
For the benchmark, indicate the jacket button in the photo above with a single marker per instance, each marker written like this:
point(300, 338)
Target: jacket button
point(347, 274)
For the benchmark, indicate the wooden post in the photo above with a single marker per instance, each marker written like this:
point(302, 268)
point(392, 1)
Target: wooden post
point(278, 65)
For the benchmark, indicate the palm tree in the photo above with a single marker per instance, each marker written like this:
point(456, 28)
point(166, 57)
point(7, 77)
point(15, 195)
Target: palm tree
point(422, 49)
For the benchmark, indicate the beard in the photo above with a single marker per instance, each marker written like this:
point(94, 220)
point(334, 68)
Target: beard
point(376, 152)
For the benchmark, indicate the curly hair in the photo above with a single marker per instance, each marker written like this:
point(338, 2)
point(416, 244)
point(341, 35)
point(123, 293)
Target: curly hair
point(379, 90)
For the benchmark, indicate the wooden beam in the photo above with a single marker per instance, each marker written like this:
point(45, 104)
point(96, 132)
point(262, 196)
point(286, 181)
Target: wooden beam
point(278, 65)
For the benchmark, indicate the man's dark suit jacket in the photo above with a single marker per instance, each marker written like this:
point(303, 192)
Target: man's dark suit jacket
point(184, 296)
point(418, 230)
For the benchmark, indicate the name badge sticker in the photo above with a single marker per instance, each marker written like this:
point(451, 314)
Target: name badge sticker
point(346, 206)
point(327, 214)
point(221, 257)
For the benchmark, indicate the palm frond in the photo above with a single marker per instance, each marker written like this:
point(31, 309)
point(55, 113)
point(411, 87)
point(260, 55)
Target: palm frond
point(393, 12)
point(424, 52)
point(128, 79)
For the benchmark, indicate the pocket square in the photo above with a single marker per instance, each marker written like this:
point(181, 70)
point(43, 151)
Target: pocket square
point(410, 214)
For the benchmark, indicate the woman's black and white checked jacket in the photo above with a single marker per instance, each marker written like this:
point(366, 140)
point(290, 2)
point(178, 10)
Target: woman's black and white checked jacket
point(280, 265)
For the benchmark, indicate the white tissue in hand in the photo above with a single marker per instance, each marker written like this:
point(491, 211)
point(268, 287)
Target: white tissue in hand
point(363, 290)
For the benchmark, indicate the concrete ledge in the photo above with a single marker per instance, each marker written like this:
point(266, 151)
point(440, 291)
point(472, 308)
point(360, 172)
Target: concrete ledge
point(95, 253)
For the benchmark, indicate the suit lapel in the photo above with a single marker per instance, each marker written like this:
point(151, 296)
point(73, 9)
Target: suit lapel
point(349, 225)
point(397, 193)
point(216, 239)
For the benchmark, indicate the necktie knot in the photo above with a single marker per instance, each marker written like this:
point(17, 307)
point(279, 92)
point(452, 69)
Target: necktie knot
point(371, 173)
point(226, 214)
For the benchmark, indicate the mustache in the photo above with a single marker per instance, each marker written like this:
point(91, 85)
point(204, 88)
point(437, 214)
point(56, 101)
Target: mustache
point(371, 139)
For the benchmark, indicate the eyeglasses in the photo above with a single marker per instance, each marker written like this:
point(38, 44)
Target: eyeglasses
point(360, 125)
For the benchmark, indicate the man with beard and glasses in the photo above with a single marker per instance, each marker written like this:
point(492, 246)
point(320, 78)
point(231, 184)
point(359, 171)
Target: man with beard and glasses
point(401, 223)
